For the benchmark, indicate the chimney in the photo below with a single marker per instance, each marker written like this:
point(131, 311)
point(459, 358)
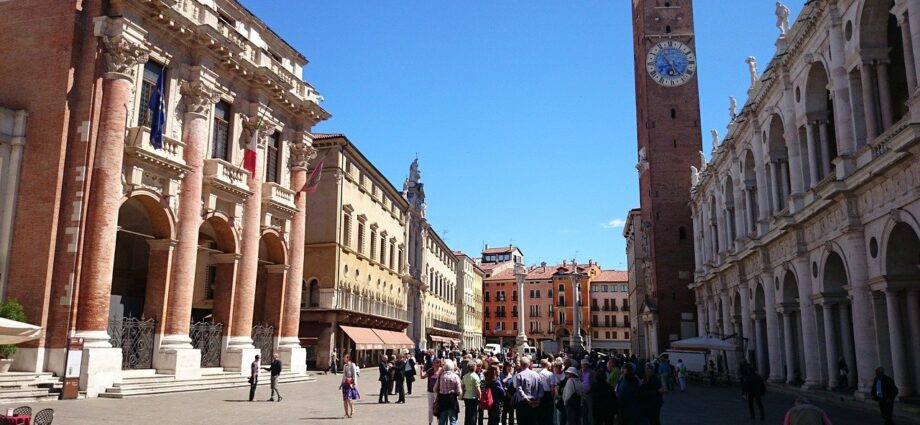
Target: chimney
point(487, 247)
point(590, 263)
point(543, 264)
point(565, 263)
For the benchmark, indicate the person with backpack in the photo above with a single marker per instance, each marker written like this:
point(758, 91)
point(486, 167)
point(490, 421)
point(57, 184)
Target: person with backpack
point(571, 396)
point(628, 397)
point(471, 393)
point(682, 375)
point(493, 392)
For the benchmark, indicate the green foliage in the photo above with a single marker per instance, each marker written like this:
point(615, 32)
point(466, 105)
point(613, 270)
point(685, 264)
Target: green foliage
point(10, 309)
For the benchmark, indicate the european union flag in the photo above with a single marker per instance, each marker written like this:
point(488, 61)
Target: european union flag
point(158, 109)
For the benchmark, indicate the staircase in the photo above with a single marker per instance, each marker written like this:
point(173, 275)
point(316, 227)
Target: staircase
point(148, 382)
point(29, 386)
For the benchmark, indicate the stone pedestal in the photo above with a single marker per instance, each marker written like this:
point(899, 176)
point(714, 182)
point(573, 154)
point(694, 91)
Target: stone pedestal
point(239, 359)
point(294, 359)
point(101, 368)
point(184, 363)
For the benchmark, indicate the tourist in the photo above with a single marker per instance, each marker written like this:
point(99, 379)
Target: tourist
point(805, 413)
point(384, 370)
point(650, 396)
point(604, 398)
point(571, 397)
point(664, 372)
point(529, 393)
point(333, 363)
point(613, 372)
point(399, 372)
point(449, 389)
point(843, 373)
point(558, 377)
point(628, 397)
point(507, 377)
point(712, 372)
point(754, 388)
point(254, 368)
point(349, 385)
point(409, 372)
point(275, 371)
point(682, 375)
point(432, 374)
point(545, 411)
point(494, 384)
point(884, 391)
point(587, 405)
point(391, 376)
point(471, 393)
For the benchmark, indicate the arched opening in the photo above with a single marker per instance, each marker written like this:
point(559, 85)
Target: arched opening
point(837, 325)
point(902, 276)
point(762, 354)
point(212, 302)
point(713, 228)
point(139, 276)
point(902, 259)
point(269, 294)
point(791, 330)
point(778, 168)
point(749, 176)
point(820, 132)
point(882, 73)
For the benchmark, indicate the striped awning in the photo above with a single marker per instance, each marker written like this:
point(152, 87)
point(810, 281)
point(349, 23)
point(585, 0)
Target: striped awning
point(395, 340)
point(364, 338)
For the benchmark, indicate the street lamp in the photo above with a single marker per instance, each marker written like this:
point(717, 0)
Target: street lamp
point(577, 343)
point(519, 274)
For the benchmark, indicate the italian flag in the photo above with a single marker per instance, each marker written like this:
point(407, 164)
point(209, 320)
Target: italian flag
point(249, 153)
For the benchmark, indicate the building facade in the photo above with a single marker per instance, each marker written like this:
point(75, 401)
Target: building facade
point(500, 293)
point(806, 217)
point(636, 259)
point(539, 308)
point(173, 243)
point(565, 284)
point(432, 277)
point(610, 312)
point(354, 293)
point(668, 130)
point(469, 301)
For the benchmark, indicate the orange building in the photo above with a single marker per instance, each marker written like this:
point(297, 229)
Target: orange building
point(565, 309)
point(610, 312)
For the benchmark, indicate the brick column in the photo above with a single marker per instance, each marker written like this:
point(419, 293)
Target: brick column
point(159, 264)
point(122, 57)
point(239, 344)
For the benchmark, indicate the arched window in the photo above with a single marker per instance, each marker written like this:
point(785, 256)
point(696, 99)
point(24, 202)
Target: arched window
point(313, 295)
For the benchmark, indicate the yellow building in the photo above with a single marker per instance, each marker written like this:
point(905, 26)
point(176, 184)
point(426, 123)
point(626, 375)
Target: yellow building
point(354, 292)
point(469, 297)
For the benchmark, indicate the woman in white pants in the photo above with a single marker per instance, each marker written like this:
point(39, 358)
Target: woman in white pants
point(432, 376)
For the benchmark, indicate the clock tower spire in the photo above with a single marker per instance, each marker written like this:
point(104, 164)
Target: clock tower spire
point(669, 142)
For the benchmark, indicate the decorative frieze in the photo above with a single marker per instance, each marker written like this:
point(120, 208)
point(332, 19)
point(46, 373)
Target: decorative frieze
point(197, 97)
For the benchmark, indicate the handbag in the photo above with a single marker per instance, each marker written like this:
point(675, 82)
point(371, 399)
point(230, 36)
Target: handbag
point(347, 381)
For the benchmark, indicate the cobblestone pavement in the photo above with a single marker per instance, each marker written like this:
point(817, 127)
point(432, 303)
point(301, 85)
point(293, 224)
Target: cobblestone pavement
point(320, 403)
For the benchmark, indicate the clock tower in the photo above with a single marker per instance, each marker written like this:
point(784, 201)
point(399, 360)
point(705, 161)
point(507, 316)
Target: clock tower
point(669, 136)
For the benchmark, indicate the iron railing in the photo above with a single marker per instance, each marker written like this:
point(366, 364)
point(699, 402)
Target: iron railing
point(206, 337)
point(135, 338)
point(263, 339)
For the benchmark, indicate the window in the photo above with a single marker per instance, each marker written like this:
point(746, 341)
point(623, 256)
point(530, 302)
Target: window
point(373, 241)
point(346, 230)
point(210, 282)
point(514, 325)
point(625, 335)
point(614, 334)
point(152, 72)
point(314, 294)
point(487, 297)
point(273, 158)
point(220, 142)
point(514, 295)
point(383, 249)
point(392, 257)
point(549, 293)
point(361, 237)
point(595, 334)
point(607, 334)
point(487, 328)
point(400, 259)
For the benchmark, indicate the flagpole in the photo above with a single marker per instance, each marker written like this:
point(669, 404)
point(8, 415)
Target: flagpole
point(258, 126)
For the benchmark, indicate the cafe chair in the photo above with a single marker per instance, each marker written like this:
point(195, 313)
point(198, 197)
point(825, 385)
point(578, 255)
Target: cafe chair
point(22, 410)
point(43, 417)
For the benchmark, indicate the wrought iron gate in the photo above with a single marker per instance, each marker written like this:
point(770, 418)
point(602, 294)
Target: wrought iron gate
point(206, 337)
point(135, 338)
point(263, 339)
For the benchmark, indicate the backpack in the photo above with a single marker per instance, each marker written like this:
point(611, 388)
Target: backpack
point(485, 399)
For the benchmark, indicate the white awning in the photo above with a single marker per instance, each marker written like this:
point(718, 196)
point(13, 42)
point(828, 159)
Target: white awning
point(13, 332)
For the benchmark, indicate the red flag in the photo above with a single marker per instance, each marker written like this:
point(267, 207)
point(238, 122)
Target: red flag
point(313, 181)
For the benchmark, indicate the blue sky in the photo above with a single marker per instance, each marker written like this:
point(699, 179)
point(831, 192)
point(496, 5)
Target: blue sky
point(522, 113)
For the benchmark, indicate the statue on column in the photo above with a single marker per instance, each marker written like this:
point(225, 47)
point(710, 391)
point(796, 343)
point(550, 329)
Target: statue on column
point(732, 108)
point(414, 175)
point(752, 68)
point(715, 138)
point(782, 19)
point(694, 176)
point(702, 162)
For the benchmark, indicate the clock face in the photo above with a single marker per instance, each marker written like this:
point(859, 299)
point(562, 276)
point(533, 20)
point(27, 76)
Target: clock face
point(670, 63)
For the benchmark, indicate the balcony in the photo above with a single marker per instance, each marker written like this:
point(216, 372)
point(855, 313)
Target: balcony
point(279, 203)
point(440, 324)
point(596, 308)
point(341, 300)
point(226, 181)
point(158, 170)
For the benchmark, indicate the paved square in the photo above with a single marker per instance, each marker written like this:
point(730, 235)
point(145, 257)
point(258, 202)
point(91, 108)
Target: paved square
point(320, 403)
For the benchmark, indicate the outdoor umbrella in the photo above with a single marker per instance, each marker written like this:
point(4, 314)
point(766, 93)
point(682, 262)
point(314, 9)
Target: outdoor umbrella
point(704, 343)
point(13, 332)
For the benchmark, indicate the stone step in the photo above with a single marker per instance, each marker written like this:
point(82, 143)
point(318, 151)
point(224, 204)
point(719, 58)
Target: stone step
point(29, 386)
point(133, 387)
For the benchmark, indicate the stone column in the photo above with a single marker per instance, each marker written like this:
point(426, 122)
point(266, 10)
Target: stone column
point(697, 245)
point(825, 148)
point(843, 111)
point(123, 51)
point(176, 353)
point(884, 96)
point(240, 350)
point(791, 135)
point(746, 330)
point(900, 371)
point(788, 345)
point(810, 129)
point(289, 347)
point(749, 213)
point(763, 203)
point(809, 326)
point(913, 15)
point(909, 63)
point(8, 200)
point(830, 341)
point(759, 343)
point(913, 324)
point(866, 355)
point(700, 315)
point(846, 343)
point(775, 190)
point(713, 316)
point(870, 103)
point(732, 356)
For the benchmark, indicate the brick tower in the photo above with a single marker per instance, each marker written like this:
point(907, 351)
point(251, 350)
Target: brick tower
point(668, 127)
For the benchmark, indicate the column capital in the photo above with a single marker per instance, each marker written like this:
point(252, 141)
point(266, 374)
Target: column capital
point(301, 155)
point(251, 123)
point(124, 46)
point(197, 96)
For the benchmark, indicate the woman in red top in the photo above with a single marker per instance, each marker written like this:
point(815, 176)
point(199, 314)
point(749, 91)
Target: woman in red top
point(432, 376)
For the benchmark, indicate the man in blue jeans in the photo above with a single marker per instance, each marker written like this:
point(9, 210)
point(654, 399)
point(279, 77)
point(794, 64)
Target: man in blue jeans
point(254, 377)
point(275, 370)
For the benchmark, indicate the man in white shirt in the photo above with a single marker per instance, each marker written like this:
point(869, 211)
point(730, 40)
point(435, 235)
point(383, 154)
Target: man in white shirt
point(254, 376)
point(545, 409)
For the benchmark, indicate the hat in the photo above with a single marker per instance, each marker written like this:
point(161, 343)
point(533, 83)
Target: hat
point(585, 361)
point(572, 370)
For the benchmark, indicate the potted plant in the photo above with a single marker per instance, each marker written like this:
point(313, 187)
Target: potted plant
point(9, 309)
